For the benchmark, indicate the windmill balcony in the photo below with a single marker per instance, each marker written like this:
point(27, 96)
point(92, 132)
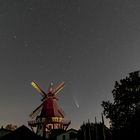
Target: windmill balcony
point(50, 120)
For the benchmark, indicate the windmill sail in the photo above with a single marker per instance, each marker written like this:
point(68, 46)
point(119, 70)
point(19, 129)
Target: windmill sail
point(36, 111)
point(36, 86)
point(59, 88)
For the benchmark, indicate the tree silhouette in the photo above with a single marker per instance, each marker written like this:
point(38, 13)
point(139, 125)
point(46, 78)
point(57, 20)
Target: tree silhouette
point(86, 131)
point(11, 127)
point(124, 112)
point(93, 131)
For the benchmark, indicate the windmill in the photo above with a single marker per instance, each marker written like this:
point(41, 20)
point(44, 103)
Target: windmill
point(48, 115)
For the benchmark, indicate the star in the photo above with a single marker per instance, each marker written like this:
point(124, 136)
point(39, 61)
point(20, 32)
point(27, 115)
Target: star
point(14, 36)
point(27, 43)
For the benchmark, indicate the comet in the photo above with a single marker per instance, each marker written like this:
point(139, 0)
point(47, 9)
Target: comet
point(76, 103)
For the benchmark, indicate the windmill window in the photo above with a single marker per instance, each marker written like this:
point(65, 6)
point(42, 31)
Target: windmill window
point(50, 127)
point(55, 119)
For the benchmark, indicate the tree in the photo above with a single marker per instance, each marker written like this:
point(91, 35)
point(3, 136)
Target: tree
point(86, 131)
point(93, 131)
point(124, 112)
point(11, 127)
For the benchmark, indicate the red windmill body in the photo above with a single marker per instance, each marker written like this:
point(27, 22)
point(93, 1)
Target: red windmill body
point(51, 116)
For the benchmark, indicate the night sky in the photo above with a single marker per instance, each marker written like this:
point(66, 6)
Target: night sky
point(89, 44)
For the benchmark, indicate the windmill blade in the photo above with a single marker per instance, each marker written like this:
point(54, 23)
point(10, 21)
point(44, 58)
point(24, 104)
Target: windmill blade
point(36, 111)
point(36, 86)
point(59, 88)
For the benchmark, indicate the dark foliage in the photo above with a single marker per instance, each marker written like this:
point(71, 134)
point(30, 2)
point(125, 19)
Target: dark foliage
point(91, 131)
point(124, 112)
point(22, 133)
